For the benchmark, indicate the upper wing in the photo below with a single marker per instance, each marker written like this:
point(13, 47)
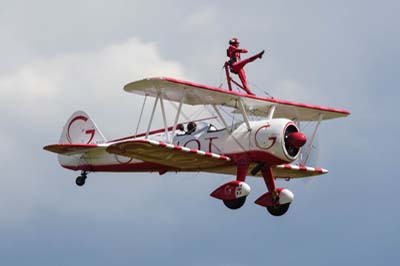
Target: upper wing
point(70, 149)
point(168, 154)
point(195, 94)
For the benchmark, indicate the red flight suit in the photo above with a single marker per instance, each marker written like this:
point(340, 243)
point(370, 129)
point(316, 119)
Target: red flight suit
point(236, 64)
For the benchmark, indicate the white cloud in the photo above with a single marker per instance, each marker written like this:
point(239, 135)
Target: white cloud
point(37, 98)
point(48, 89)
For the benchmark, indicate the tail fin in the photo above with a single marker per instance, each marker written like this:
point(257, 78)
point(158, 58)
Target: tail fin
point(80, 129)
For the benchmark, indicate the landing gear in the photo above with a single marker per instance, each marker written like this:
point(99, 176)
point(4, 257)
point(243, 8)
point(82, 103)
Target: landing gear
point(278, 210)
point(234, 193)
point(276, 200)
point(236, 203)
point(80, 180)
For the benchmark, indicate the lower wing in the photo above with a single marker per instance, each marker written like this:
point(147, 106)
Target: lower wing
point(168, 154)
point(296, 171)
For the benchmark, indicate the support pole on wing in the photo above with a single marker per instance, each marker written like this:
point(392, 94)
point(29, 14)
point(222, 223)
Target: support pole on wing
point(177, 118)
point(152, 115)
point(271, 112)
point(221, 117)
point(244, 113)
point(227, 127)
point(309, 146)
point(164, 116)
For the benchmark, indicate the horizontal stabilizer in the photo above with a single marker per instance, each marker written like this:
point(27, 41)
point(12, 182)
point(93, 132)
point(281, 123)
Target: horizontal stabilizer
point(168, 154)
point(80, 134)
point(296, 171)
point(70, 149)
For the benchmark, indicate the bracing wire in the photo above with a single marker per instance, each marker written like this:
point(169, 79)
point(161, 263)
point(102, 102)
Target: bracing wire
point(176, 108)
point(221, 79)
point(261, 90)
point(227, 113)
point(190, 117)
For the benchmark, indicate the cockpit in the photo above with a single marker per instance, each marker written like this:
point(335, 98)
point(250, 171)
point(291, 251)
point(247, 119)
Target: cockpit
point(192, 128)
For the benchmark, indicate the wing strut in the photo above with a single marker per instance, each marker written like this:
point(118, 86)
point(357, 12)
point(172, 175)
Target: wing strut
point(164, 117)
point(221, 117)
point(152, 116)
point(160, 97)
point(177, 118)
point(271, 112)
point(309, 146)
point(245, 117)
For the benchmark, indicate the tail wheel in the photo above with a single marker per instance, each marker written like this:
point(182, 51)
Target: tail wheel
point(80, 181)
point(236, 203)
point(278, 210)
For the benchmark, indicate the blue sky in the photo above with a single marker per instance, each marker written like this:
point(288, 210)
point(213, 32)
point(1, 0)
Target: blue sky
point(61, 57)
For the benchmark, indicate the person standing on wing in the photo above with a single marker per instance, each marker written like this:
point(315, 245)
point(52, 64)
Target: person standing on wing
point(236, 65)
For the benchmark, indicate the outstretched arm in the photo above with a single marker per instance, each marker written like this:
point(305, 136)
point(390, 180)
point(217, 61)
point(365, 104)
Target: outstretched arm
point(233, 50)
point(239, 50)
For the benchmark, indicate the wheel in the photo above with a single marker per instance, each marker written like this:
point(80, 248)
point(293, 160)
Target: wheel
point(236, 203)
point(80, 180)
point(278, 210)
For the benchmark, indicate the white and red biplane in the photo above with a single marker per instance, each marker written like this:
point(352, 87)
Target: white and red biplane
point(268, 146)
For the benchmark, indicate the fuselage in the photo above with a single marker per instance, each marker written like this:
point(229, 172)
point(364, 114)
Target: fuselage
point(264, 142)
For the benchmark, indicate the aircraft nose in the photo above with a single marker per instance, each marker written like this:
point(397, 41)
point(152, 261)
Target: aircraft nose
point(297, 139)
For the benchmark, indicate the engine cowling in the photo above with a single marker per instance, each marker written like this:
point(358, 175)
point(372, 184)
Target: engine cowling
point(280, 138)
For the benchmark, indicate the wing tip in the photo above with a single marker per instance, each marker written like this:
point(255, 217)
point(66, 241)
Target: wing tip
point(68, 148)
point(48, 147)
point(302, 168)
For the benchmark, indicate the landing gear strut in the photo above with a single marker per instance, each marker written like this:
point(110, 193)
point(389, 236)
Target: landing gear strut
point(80, 180)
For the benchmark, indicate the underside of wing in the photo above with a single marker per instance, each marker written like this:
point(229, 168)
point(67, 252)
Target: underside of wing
point(198, 94)
point(70, 149)
point(279, 171)
point(297, 171)
point(168, 154)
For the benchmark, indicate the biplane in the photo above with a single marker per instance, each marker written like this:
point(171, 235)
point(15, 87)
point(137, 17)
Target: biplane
point(266, 142)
